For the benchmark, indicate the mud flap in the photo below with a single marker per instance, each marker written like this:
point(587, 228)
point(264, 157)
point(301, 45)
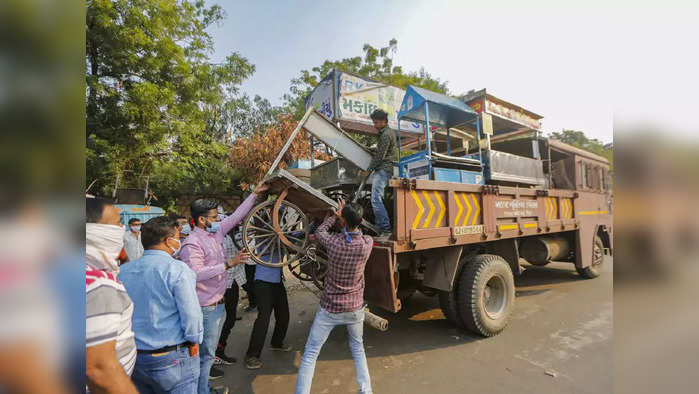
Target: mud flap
point(380, 286)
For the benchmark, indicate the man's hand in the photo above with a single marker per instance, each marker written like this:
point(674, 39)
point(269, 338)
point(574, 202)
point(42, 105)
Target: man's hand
point(240, 258)
point(340, 206)
point(261, 188)
point(364, 174)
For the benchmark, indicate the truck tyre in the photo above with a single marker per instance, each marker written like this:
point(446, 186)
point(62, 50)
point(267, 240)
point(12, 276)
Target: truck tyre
point(595, 268)
point(486, 294)
point(447, 301)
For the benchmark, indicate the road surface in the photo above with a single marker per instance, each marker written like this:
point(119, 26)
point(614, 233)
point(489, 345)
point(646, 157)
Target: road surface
point(559, 340)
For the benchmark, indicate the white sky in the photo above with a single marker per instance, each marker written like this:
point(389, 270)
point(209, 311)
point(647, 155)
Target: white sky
point(580, 68)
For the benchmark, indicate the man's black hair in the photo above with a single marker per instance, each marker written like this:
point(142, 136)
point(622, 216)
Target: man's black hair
point(94, 208)
point(379, 114)
point(157, 230)
point(353, 213)
point(201, 207)
point(133, 220)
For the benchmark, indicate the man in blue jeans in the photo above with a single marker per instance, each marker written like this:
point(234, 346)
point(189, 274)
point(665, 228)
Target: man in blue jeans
point(203, 252)
point(167, 320)
point(342, 302)
point(382, 166)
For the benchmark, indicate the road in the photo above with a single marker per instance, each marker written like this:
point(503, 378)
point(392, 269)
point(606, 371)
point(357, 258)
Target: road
point(559, 340)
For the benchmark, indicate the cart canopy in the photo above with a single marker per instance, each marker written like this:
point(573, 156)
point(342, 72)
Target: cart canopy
point(442, 110)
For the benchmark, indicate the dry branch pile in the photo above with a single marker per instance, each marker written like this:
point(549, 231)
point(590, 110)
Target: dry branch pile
point(253, 155)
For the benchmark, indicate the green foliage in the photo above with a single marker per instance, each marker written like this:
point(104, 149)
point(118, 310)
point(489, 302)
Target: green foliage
point(376, 63)
point(155, 104)
point(580, 140)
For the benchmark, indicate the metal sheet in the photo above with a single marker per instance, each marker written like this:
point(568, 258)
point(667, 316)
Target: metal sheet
point(335, 173)
point(507, 167)
point(324, 130)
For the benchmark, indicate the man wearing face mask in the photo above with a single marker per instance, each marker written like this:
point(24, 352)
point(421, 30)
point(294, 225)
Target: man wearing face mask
point(203, 252)
point(132, 240)
point(167, 319)
point(110, 352)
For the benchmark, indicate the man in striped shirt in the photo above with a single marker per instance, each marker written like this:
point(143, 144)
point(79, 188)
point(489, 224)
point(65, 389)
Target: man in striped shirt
point(110, 352)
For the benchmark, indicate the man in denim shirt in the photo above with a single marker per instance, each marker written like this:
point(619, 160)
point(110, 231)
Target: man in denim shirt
point(167, 319)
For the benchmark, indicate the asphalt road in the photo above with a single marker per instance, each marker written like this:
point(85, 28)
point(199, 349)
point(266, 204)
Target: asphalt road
point(559, 340)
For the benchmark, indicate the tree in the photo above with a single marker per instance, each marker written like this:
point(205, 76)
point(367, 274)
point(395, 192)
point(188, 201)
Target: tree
point(253, 116)
point(156, 105)
point(375, 64)
point(580, 140)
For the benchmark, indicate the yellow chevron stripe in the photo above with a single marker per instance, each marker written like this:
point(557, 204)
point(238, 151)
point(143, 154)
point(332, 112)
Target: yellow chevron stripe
point(570, 205)
point(468, 213)
point(593, 212)
point(420, 208)
point(529, 225)
point(555, 208)
point(441, 209)
point(429, 214)
point(564, 208)
point(461, 209)
point(508, 227)
point(478, 209)
point(546, 202)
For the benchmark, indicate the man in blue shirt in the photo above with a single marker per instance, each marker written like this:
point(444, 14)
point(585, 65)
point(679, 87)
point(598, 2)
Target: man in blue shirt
point(270, 295)
point(167, 318)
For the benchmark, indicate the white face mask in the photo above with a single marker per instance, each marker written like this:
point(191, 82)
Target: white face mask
point(136, 229)
point(179, 246)
point(103, 244)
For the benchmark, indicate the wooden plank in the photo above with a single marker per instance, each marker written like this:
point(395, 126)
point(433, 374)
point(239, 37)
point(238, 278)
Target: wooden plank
point(380, 288)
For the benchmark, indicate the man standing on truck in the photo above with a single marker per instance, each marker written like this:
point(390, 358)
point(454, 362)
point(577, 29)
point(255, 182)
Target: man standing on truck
point(342, 303)
point(382, 166)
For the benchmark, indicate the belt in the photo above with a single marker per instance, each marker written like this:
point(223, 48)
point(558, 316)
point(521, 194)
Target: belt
point(165, 349)
point(216, 303)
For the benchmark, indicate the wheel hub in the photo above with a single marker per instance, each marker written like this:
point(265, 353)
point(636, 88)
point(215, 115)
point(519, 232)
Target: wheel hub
point(495, 297)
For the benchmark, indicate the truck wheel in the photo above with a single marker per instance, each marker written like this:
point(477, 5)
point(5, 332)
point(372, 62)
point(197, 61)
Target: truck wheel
point(447, 299)
point(486, 294)
point(595, 268)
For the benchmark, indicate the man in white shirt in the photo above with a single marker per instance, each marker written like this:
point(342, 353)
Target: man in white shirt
point(132, 240)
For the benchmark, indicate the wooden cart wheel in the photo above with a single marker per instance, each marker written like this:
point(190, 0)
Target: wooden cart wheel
point(275, 233)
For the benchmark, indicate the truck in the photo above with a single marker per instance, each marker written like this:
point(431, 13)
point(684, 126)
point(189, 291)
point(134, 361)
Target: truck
point(475, 194)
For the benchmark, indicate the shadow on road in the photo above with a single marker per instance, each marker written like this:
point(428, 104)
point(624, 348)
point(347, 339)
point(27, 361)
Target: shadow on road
point(419, 327)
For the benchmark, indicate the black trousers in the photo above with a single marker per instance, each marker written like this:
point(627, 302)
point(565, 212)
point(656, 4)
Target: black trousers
point(230, 299)
point(270, 297)
point(249, 287)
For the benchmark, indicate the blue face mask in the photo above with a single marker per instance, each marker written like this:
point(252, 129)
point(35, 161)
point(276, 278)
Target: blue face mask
point(214, 227)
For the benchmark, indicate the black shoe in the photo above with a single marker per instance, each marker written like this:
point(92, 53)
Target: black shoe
point(219, 390)
point(215, 373)
point(250, 308)
point(384, 235)
point(238, 318)
point(253, 363)
point(221, 358)
point(282, 348)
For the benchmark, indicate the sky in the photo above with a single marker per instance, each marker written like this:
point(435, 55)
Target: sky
point(575, 66)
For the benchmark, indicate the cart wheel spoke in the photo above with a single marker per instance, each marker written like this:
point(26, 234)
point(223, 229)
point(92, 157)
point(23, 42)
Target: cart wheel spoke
point(259, 229)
